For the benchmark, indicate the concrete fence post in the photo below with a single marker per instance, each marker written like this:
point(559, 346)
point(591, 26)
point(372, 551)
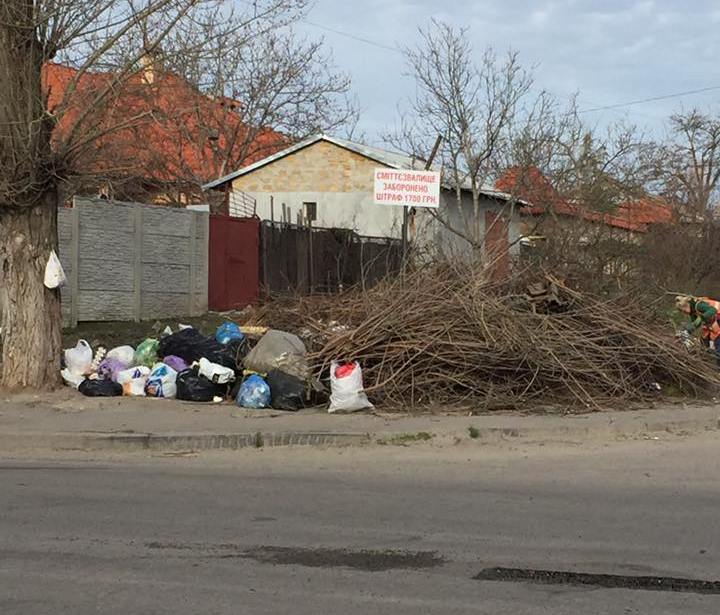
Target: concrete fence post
point(192, 304)
point(137, 267)
point(74, 264)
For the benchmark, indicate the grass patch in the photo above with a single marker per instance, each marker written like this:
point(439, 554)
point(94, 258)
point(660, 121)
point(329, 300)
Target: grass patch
point(404, 439)
point(115, 333)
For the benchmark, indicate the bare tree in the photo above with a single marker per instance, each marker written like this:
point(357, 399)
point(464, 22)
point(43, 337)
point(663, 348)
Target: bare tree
point(275, 81)
point(688, 162)
point(470, 104)
point(36, 154)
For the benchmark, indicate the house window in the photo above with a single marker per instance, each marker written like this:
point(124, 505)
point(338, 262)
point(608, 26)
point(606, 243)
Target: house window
point(310, 212)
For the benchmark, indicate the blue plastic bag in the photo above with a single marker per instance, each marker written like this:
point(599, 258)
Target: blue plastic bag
point(254, 393)
point(229, 332)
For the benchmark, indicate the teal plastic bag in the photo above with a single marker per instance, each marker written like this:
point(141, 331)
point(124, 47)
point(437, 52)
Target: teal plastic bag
point(146, 353)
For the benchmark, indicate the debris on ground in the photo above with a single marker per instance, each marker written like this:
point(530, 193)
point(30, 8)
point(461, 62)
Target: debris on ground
point(190, 366)
point(441, 335)
point(444, 335)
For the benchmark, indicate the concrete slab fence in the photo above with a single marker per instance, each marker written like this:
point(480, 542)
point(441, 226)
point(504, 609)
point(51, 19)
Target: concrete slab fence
point(130, 261)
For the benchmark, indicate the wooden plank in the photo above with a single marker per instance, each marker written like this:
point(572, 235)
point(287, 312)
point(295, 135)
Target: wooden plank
point(174, 279)
point(167, 221)
point(107, 305)
point(161, 250)
point(101, 275)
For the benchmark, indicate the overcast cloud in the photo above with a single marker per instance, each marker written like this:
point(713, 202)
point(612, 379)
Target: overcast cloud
point(611, 51)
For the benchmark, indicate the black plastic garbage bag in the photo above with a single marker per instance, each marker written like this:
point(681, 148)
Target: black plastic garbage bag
point(191, 386)
point(100, 388)
point(191, 345)
point(287, 392)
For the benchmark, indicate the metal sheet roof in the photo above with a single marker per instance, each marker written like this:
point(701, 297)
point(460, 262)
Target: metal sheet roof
point(385, 157)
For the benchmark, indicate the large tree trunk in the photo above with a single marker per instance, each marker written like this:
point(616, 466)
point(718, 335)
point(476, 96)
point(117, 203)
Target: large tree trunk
point(29, 312)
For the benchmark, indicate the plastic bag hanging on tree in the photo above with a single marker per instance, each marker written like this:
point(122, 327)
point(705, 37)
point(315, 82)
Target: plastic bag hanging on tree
point(54, 274)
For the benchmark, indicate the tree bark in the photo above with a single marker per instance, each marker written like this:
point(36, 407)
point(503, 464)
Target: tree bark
point(29, 312)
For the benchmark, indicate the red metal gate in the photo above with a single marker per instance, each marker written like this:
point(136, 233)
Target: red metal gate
point(234, 269)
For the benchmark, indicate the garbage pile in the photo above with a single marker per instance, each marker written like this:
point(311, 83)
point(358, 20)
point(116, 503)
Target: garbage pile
point(448, 335)
point(442, 335)
point(272, 372)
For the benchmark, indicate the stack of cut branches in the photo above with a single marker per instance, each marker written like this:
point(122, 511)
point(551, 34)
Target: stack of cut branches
point(447, 335)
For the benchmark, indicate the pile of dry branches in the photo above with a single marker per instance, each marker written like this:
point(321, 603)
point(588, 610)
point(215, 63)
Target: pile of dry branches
point(446, 335)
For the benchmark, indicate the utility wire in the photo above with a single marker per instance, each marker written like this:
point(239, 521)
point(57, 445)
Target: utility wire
point(398, 50)
point(630, 103)
point(352, 36)
point(651, 99)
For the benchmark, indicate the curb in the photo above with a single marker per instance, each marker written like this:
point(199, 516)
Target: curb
point(173, 442)
point(131, 441)
point(566, 432)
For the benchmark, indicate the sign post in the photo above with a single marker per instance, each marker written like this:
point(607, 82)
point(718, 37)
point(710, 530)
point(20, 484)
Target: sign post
point(409, 189)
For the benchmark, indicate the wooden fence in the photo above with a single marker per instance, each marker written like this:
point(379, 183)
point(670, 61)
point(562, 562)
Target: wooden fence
point(304, 260)
point(128, 261)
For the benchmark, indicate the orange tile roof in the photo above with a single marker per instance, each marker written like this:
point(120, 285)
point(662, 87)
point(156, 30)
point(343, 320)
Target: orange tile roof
point(173, 133)
point(532, 186)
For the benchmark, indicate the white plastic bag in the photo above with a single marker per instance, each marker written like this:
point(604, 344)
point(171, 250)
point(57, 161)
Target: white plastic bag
point(132, 374)
point(79, 360)
point(54, 274)
point(346, 391)
point(219, 374)
point(124, 354)
point(161, 381)
point(70, 379)
point(135, 387)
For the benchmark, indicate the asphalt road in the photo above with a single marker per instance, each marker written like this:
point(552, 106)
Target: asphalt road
point(383, 530)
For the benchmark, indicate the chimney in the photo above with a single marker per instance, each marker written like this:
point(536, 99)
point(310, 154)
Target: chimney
point(151, 63)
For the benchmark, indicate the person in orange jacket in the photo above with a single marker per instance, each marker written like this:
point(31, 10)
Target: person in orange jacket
point(703, 313)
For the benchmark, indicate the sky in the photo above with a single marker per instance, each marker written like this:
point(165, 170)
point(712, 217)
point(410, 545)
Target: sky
point(608, 51)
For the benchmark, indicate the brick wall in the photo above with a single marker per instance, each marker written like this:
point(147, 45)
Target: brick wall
point(320, 167)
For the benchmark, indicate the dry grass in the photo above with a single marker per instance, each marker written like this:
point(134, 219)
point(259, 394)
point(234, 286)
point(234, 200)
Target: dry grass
point(447, 335)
